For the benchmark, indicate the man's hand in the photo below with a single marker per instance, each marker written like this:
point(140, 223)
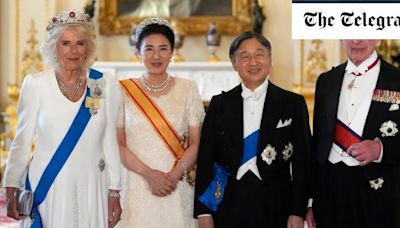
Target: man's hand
point(295, 222)
point(205, 222)
point(310, 218)
point(365, 151)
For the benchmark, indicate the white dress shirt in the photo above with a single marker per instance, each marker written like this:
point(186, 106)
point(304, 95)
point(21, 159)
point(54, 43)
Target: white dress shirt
point(253, 105)
point(354, 103)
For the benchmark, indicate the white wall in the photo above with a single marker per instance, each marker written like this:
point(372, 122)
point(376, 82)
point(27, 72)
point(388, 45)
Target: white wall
point(277, 28)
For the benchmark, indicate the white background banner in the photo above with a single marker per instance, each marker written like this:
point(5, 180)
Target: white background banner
point(345, 20)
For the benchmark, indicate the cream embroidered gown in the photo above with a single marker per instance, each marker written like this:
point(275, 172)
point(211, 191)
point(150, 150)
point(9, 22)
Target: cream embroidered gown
point(183, 107)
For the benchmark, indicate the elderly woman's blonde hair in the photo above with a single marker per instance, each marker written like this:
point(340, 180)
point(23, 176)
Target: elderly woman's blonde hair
point(49, 47)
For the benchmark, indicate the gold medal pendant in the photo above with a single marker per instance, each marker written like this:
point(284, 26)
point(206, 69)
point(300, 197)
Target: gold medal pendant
point(351, 84)
point(218, 191)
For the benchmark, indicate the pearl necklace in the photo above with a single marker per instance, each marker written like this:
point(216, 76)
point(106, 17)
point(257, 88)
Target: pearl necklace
point(69, 92)
point(155, 88)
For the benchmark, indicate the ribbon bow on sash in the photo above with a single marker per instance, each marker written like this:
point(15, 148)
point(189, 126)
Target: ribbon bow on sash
point(214, 193)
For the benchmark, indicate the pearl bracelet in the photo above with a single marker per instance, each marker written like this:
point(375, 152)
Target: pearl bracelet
point(113, 194)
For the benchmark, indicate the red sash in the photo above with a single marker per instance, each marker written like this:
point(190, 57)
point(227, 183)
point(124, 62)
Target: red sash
point(344, 136)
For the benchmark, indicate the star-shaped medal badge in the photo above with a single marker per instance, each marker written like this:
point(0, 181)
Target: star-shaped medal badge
point(268, 154)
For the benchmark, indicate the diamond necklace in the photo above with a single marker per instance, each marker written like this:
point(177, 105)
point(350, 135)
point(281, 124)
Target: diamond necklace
point(155, 88)
point(69, 92)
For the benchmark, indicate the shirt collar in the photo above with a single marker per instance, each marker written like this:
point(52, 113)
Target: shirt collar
point(350, 67)
point(260, 89)
point(257, 93)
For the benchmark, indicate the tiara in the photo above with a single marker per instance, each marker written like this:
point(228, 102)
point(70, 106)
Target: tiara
point(69, 17)
point(151, 21)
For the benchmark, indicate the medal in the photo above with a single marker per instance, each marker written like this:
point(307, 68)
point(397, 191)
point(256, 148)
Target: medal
point(218, 191)
point(97, 91)
point(351, 84)
point(101, 165)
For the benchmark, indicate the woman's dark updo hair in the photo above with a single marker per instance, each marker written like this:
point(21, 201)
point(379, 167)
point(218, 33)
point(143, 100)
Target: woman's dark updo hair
point(156, 29)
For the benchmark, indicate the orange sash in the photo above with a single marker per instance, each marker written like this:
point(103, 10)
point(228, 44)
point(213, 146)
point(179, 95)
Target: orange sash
point(152, 112)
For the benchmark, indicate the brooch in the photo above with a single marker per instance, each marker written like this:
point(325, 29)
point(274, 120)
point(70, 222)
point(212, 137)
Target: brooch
point(287, 153)
point(93, 104)
point(101, 165)
point(394, 107)
point(268, 154)
point(377, 183)
point(218, 192)
point(97, 87)
point(388, 128)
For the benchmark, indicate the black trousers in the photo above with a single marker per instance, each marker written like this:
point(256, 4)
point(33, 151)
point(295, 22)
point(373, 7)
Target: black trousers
point(345, 199)
point(250, 203)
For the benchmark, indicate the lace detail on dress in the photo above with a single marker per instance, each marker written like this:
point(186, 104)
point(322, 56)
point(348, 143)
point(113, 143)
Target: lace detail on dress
point(195, 107)
point(182, 107)
point(121, 119)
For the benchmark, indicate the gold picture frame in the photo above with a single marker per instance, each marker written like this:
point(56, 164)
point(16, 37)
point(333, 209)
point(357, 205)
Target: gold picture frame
point(113, 24)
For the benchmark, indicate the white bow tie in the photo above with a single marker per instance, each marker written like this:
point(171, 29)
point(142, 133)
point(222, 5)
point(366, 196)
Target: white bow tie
point(254, 95)
point(356, 72)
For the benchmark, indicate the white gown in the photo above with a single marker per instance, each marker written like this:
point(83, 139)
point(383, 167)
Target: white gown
point(78, 196)
point(183, 107)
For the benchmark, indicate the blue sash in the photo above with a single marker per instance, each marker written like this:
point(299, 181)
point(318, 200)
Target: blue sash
point(250, 144)
point(61, 155)
point(214, 193)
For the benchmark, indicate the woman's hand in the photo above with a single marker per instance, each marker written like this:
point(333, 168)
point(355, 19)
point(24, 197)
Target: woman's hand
point(11, 202)
point(176, 174)
point(160, 183)
point(114, 208)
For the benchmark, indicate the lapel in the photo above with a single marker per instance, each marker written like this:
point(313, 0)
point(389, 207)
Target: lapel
point(334, 82)
point(233, 108)
point(387, 80)
point(272, 109)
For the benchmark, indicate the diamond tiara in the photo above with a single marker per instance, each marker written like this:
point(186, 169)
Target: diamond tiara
point(69, 17)
point(151, 21)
